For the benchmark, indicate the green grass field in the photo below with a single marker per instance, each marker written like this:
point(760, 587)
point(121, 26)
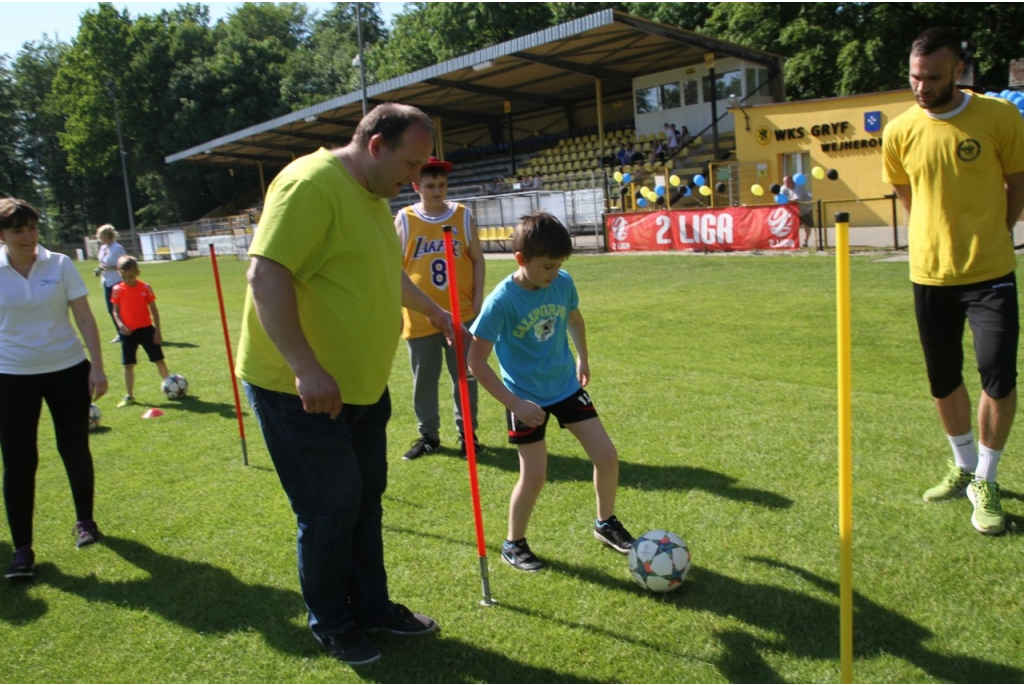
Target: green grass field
point(715, 377)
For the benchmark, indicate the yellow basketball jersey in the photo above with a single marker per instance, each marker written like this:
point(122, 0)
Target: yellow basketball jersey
point(424, 260)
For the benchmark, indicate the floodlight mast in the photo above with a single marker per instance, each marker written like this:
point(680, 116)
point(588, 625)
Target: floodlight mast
point(124, 166)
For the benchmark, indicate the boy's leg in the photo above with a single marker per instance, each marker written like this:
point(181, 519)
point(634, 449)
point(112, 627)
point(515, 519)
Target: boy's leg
point(533, 471)
point(161, 367)
point(425, 359)
point(453, 370)
point(129, 380)
point(602, 453)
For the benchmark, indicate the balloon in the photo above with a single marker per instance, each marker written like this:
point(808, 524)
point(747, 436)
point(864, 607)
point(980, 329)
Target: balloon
point(705, 191)
point(687, 192)
point(775, 189)
point(626, 178)
point(818, 173)
point(757, 190)
point(799, 179)
point(675, 180)
point(660, 200)
point(617, 176)
point(698, 180)
point(832, 174)
point(642, 202)
point(781, 199)
point(659, 191)
point(646, 192)
point(720, 187)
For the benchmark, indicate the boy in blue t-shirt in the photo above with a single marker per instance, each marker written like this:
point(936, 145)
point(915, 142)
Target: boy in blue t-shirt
point(528, 320)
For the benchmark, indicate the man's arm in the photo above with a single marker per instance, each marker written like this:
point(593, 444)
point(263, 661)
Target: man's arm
point(273, 295)
point(1014, 199)
point(418, 301)
point(905, 196)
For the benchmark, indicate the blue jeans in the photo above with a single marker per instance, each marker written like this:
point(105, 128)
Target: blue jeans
point(334, 473)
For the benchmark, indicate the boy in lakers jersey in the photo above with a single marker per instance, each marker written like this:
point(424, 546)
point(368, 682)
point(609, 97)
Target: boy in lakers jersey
point(419, 231)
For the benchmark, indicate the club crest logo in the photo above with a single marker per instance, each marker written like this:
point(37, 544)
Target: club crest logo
point(763, 135)
point(968, 150)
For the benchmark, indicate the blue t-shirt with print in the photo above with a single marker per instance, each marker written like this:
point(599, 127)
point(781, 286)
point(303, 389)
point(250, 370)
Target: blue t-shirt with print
point(530, 332)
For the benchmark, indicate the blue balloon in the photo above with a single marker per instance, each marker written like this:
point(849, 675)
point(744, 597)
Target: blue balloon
point(781, 199)
point(687, 192)
point(660, 190)
point(626, 178)
point(799, 179)
point(698, 180)
point(642, 202)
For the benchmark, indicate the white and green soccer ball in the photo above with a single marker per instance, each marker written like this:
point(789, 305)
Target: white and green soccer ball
point(659, 561)
point(94, 417)
point(174, 386)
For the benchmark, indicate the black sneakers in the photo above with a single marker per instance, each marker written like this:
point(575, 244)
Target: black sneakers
point(350, 647)
point(614, 534)
point(462, 445)
point(402, 621)
point(423, 445)
point(518, 556)
point(86, 533)
point(24, 564)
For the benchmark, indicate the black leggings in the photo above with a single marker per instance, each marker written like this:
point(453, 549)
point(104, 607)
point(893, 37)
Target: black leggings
point(21, 401)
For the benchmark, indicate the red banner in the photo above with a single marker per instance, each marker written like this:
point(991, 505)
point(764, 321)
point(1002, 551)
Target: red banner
point(726, 229)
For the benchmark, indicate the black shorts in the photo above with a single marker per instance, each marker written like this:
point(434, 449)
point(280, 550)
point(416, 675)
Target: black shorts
point(140, 336)
point(990, 308)
point(573, 409)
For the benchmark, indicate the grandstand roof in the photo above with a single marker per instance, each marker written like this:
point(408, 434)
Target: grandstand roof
point(548, 71)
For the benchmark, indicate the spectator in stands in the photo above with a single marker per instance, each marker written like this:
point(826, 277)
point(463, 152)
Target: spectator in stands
point(799, 194)
point(634, 155)
point(419, 228)
point(685, 137)
point(672, 137)
point(660, 151)
point(624, 156)
point(538, 182)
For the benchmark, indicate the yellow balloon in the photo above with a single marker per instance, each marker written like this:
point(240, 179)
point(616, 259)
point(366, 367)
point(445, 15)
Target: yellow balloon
point(617, 176)
point(757, 190)
point(818, 173)
point(647, 192)
point(674, 180)
point(705, 191)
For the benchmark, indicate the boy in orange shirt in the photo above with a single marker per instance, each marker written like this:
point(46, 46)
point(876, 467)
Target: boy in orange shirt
point(138, 321)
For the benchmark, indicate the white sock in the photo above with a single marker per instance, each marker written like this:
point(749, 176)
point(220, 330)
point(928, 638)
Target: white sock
point(964, 453)
point(988, 463)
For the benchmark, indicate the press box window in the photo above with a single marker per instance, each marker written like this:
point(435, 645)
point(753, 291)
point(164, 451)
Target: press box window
point(727, 85)
point(658, 98)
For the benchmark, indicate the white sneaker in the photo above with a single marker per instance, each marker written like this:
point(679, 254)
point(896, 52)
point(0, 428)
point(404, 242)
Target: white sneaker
point(117, 339)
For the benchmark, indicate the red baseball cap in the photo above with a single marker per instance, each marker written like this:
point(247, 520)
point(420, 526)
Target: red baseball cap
point(435, 163)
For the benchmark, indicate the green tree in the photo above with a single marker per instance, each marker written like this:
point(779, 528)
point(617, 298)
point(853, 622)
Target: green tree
point(14, 176)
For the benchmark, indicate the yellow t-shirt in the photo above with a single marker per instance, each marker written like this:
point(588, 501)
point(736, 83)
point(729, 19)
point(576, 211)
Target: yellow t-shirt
point(339, 242)
point(424, 260)
point(955, 168)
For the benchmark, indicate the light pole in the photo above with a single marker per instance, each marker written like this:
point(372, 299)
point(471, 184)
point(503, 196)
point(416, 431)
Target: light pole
point(124, 165)
point(362, 65)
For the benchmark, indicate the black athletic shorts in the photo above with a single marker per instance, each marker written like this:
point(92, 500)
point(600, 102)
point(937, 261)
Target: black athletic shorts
point(140, 336)
point(573, 409)
point(990, 308)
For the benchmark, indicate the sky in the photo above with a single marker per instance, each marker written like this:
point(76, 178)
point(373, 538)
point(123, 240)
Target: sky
point(26, 21)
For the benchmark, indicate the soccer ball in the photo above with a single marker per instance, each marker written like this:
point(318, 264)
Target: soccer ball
point(659, 561)
point(94, 417)
point(175, 386)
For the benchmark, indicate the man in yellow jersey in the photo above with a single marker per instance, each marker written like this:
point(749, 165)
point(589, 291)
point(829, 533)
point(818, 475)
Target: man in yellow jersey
point(319, 334)
point(420, 232)
point(956, 160)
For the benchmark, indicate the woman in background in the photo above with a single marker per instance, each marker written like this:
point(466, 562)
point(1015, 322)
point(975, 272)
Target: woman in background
point(110, 251)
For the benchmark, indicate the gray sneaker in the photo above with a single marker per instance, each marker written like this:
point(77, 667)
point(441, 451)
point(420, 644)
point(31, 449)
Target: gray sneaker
point(518, 556)
point(954, 484)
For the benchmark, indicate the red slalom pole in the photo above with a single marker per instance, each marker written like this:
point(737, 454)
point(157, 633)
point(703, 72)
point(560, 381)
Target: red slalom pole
point(467, 414)
point(231, 361)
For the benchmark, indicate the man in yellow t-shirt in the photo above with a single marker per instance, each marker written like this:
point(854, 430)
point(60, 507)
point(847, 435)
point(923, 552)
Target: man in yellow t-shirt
point(319, 333)
point(956, 161)
point(420, 233)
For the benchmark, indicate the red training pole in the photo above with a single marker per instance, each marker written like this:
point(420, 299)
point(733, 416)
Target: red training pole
point(231, 361)
point(467, 413)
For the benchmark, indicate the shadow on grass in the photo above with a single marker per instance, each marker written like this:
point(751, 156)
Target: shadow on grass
point(643, 477)
point(17, 606)
point(196, 595)
point(194, 405)
point(164, 343)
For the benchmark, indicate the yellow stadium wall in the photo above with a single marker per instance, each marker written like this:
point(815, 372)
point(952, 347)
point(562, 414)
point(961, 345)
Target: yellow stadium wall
point(821, 128)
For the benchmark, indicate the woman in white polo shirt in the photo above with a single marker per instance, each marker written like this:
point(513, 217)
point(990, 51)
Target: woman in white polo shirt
point(110, 251)
point(41, 358)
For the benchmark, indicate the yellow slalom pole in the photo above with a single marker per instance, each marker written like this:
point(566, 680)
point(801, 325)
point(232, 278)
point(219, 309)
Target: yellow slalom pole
point(845, 447)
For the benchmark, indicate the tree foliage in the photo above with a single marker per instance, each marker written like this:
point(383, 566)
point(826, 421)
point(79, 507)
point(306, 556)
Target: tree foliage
point(180, 79)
